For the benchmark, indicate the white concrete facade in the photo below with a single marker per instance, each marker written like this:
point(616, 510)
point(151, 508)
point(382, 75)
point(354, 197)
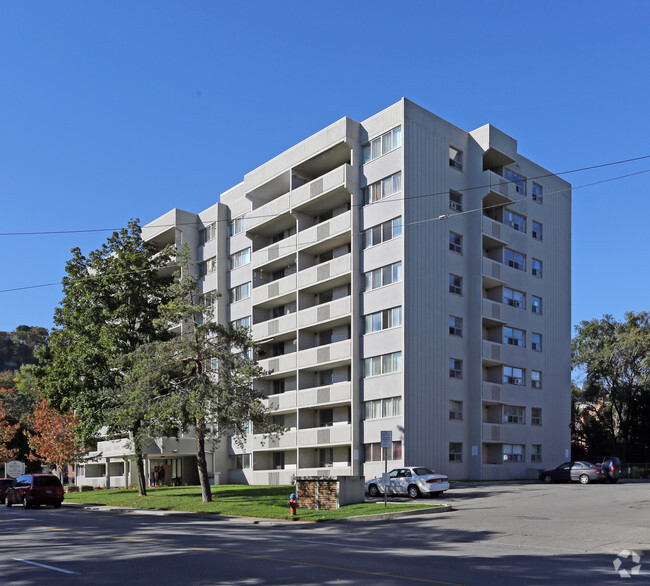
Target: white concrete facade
point(456, 261)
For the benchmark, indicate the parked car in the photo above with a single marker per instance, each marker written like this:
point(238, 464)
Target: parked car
point(5, 483)
point(612, 468)
point(412, 481)
point(582, 472)
point(34, 490)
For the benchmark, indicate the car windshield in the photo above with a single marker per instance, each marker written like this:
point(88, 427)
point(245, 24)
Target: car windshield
point(46, 481)
point(423, 471)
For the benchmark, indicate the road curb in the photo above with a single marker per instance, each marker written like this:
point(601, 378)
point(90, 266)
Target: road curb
point(385, 516)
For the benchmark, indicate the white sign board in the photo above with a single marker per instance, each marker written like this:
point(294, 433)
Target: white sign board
point(386, 439)
point(14, 468)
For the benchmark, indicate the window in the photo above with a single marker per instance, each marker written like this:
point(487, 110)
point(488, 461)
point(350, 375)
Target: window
point(537, 230)
point(513, 414)
point(536, 453)
point(455, 201)
point(383, 144)
point(373, 452)
point(391, 407)
point(514, 220)
point(518, 180)
point(208, 233)
point(455, 368)
point(384, 364)
point(514, 337)
point(536, 379)
point(513, 259)
point(536, 342)
point(455, 242)
point(208, 266)
point(514, 298)
point(456, 284)
point(239, 259)
point(455, 452)
point(236, 226)
point(513, 453)
point(383, 189)
point(536, 305)
point(244, 322)
point(455, 158)
point(382, 320)
point(456, 410)
point(382, 232)
point(536, 416)
point(240, 292)
point(383, 276)
point(537, 268)
point(455, 326)
point(241, 461)
point(513, 375)
point(538, 193)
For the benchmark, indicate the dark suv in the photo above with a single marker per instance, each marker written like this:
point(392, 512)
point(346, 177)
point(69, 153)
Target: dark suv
point(35, 489)
point(612, 468)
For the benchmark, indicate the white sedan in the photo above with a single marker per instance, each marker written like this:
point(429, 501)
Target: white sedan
point(412, 481)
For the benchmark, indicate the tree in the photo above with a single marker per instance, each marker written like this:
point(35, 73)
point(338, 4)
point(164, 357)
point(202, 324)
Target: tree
point(614, 359)
point(53, 439)
point(109, 309)
point(7, 432)
point(213, 383)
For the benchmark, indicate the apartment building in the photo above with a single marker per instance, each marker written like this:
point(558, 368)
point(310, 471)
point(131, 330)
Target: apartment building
point(398, 274)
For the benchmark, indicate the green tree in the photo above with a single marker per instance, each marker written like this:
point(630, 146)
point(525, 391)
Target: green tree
point(109, 310)
point(613, 359)
point(213, 389)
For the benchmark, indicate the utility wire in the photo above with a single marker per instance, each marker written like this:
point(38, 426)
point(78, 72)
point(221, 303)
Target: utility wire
point(440, 193)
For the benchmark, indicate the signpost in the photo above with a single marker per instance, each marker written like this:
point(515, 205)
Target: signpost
point(386, 442)
point(14, 468)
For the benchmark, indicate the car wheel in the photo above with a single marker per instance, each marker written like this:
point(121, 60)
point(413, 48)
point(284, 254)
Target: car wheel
point(584, 479)
point(413, 491)
point(373, 490)
point(612, 480)
point(547, 479)
point(7, 502)
point(26, 504)
point(57, 505)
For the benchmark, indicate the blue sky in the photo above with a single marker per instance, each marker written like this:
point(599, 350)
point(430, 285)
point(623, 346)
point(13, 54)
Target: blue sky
point(118, 110)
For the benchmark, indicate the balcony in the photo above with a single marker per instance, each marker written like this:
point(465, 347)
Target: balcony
point(506, 394)
point(274, 327)
point(284, 402)
point(328, 353)
point(325, 312)
point(507, 433)
point(493, 273)
point(325, 230)
point(277, 364)
point(274, 291)
point(326, 192)
point(286, 440)
point(328, 395)
point(274, 253)
point(330, 471)
point(321, 436)
point(273, 477)
point(500, 191)
point(495, 353)
point(268, 212)
point(325, 271)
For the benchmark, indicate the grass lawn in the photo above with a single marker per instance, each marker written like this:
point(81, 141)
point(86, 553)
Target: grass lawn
point(269, 502)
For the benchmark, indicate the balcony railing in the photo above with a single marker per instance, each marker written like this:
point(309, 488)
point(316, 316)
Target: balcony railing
point(324, 395)
point(283, 402)
point(325, 312)
point(324, 271)
point(325, 230)
point(318, 188)
point(286, 440)
point(274, 289)
point(268, 212)
point(326, 353)
point(320, 436)
point(274, 327)
point(278, 364)
point(274, 252)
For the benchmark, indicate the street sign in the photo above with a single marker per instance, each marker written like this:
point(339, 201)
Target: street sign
point(14, 468)
point(386, 439)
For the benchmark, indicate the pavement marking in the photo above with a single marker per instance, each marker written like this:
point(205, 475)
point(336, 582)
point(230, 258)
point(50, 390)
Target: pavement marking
point(264, 558)
point(45, 566)
point(334, 544)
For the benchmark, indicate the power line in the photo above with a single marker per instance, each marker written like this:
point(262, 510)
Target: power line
point(424, 195)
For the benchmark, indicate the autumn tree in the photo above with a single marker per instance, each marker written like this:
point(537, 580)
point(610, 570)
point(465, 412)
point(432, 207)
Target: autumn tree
point(53, 439)
point(212, 387)
point(109, 309)
point(613, 400)
point(7, 432)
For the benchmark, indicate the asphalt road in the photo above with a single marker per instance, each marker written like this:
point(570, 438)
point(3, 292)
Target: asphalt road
point(507, 534)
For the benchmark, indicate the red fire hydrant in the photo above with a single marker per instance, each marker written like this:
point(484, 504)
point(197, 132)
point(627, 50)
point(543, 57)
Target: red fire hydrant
point(293, 504)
